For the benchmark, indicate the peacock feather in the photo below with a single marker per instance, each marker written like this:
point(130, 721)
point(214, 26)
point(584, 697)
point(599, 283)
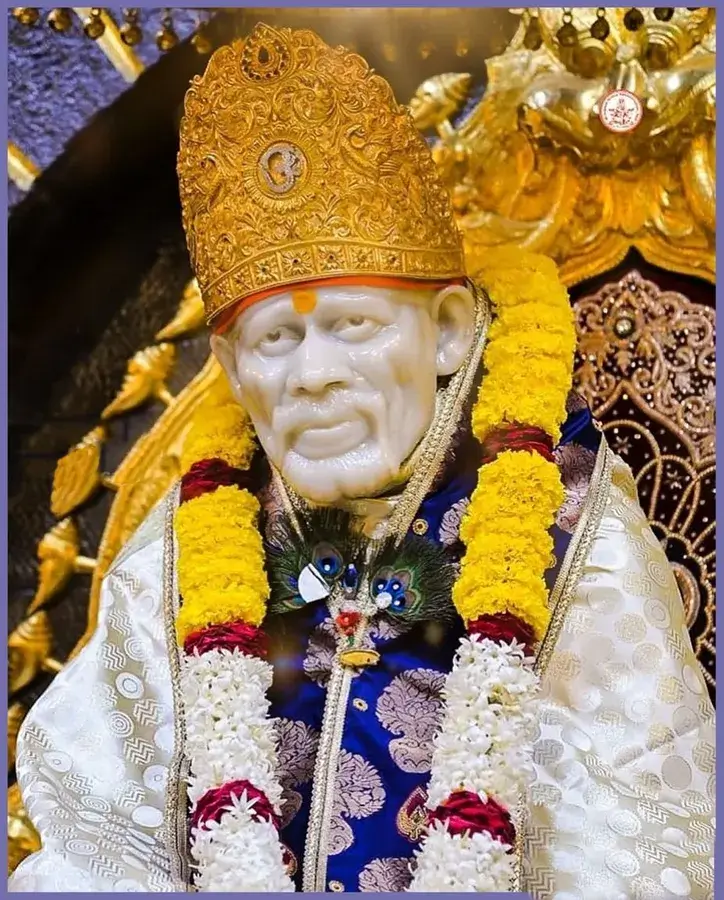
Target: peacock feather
point(410, 581)
point(329, 544)
point(413, 581)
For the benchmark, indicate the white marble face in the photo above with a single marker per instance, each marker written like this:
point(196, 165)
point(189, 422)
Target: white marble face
point(341, 388)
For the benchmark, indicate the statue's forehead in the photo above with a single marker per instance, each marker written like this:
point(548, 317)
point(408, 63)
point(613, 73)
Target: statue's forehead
point(304, 300)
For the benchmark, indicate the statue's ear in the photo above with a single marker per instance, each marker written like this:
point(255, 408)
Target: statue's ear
point(223, 350)
point(454, 313)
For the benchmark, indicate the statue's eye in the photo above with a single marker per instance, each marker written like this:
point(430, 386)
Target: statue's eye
point(278, 341)
point(356, 328)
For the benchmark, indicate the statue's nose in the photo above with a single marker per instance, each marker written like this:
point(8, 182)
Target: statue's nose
point(317, 367)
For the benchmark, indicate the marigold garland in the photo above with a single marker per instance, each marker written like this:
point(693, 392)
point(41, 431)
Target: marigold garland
point(500, 593)
point(221, 561)
point(529, 300)
point(221, 430)
point(508, 545)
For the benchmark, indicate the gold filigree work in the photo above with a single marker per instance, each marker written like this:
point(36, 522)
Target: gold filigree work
point(656, 346)
point(315, 172)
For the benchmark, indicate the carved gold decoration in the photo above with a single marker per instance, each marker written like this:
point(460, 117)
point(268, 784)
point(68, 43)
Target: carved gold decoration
point(437, 99)
point(29, 651)
point(60, 558)
point(531, 165)
point(16, 714)
point(122, 57)
point(145, 379)
point(144, 476)
point(336, 181)
point(21, 170)
point(23, 839)
point(646, 367)
point(77, 475)
point(189, 315)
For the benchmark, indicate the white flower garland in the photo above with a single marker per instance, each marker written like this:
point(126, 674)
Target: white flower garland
point(239, 853)
point(229, 737)
point(483, 747)
point(470, 863)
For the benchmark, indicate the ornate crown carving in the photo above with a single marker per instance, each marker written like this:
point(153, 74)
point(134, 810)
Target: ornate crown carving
point(296, 162)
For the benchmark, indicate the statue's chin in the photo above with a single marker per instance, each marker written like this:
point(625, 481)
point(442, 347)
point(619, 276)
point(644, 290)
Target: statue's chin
point(363, 472)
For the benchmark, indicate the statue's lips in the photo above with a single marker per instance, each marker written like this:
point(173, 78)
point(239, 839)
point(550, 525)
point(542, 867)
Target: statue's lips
point(330, 440)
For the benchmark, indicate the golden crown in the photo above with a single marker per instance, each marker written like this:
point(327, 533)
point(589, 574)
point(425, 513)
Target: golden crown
point(296, 163)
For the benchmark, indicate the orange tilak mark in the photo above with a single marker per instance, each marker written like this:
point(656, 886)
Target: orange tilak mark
point(304, 302)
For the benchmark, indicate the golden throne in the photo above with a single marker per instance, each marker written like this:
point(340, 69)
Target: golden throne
point(630, 223)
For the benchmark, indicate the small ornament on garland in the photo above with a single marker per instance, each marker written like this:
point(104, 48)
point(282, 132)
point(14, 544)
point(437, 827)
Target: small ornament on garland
point(347, 622)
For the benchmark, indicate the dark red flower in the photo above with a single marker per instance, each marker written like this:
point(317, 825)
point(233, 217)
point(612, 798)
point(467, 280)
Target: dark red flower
point(289, 861)
point(217, 801)
point(503, 627)
point(231, 635)
point(464, 811)
point(208, 474)
point(517, 437)
point(347, 622)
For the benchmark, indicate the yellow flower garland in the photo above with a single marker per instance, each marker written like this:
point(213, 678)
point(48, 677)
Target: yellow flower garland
point(528, 363)
point(529, 356)
point(221, 564)
point(221, 430)
point(529, 366)
point(221, 557)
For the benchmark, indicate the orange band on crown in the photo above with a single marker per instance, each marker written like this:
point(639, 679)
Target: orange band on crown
point(226, 318)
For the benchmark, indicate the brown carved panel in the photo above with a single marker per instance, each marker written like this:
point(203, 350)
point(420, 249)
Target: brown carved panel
point(646, 366)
